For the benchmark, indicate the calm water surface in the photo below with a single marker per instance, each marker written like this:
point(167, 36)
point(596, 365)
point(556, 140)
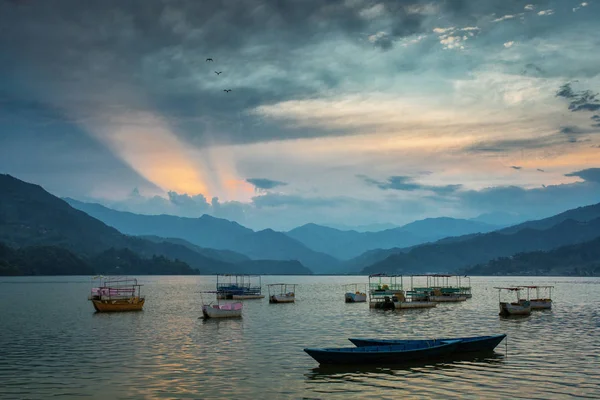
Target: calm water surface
point(53, 344)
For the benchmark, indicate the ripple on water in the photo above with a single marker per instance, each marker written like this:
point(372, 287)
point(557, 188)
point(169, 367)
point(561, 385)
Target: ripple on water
point(54, 345)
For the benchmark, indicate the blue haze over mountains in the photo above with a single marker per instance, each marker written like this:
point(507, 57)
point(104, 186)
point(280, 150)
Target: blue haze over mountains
point(43, 234)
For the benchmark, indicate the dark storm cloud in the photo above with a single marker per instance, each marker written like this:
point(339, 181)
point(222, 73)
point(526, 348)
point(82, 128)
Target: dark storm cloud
point(118, 55)
point(407, 183)
point(588, 175)
point(264, 184)
point(583, 100)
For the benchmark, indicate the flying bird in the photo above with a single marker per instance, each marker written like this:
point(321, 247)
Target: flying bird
point(209, 59)
point(218, 72)
point(541, 170)
point(227, 90)
point(516, 167)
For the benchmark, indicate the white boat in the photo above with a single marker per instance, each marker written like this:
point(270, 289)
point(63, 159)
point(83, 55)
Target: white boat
point(353, 294)
point(520, 307)
point(229, 310)
point(391, 295)
point(540, 302)
point(282, 293)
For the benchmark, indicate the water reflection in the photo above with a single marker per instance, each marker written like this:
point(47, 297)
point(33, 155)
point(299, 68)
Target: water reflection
point(54, 344)
point(327, 372)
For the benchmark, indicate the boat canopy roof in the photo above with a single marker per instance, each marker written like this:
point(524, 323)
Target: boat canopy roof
point(116, 281)
point(384, 275)
point(282, 284)
point(509, 288)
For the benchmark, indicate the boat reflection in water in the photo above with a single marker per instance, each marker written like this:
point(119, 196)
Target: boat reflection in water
point(350, 372)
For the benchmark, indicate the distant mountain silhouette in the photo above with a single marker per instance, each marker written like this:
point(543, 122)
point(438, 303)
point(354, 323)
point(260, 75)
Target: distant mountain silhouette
point(450, 256)
point(348, 244)
point(32, 222)
point(500, 218)
point(581, 214)
point(216, 233)
point(577, 259)
point(30, 216)
point(221, 255)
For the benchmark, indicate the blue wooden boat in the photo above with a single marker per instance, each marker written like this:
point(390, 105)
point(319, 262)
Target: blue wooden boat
point(466, 345)
point(395, 354)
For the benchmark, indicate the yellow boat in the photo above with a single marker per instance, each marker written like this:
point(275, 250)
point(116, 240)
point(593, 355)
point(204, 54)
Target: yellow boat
point(117, 294)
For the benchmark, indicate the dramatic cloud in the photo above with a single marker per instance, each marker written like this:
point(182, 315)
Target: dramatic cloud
point(407, 183)
point(584, 100)
point(97, 98)
point(262, 183)
point(588, 175)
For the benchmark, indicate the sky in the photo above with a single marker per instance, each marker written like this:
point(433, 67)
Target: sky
point(351, 112)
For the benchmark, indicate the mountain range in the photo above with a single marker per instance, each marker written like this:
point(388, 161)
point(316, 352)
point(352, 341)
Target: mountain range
point(30, 218)
point(349, 244)
point(214, 233)
point(576, 259)
point(43, 234)
point(571, 227)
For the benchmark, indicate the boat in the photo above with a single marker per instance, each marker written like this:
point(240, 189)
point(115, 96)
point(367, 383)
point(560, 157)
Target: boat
point(115, 294)
point(353, 294)
point(396, 354)
point(540, 302)
point(391, 295)
point(520, 307)
point(466, 290)
point(466, 345)
point(228, 310)
point(282, 293)
point(384, 291)
point(239, 287)
point(439, 290)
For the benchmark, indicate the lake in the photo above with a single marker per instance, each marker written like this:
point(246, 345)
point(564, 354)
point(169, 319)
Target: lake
point(53, 344)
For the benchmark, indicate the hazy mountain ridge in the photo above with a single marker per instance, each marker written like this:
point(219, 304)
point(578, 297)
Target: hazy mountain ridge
point(346, 245)
point(221, 255)
point(448, 257)
point(582, 214)
point(32, 217)
point(578, 259)
point(215, 233)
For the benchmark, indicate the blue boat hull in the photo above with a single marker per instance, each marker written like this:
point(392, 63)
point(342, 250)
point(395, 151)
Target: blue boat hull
point(466, 345)
point(396, 354)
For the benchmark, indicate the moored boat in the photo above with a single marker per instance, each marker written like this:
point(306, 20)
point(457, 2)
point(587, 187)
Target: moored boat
point(391, 295)
point(439, 289)
point(540, 302)
point(355, 293)
point(239, 287)
point(115, 294)
point(466, 345)
point(282, 293)
point(520, 307)
point(228, 310)
point(396, 354)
